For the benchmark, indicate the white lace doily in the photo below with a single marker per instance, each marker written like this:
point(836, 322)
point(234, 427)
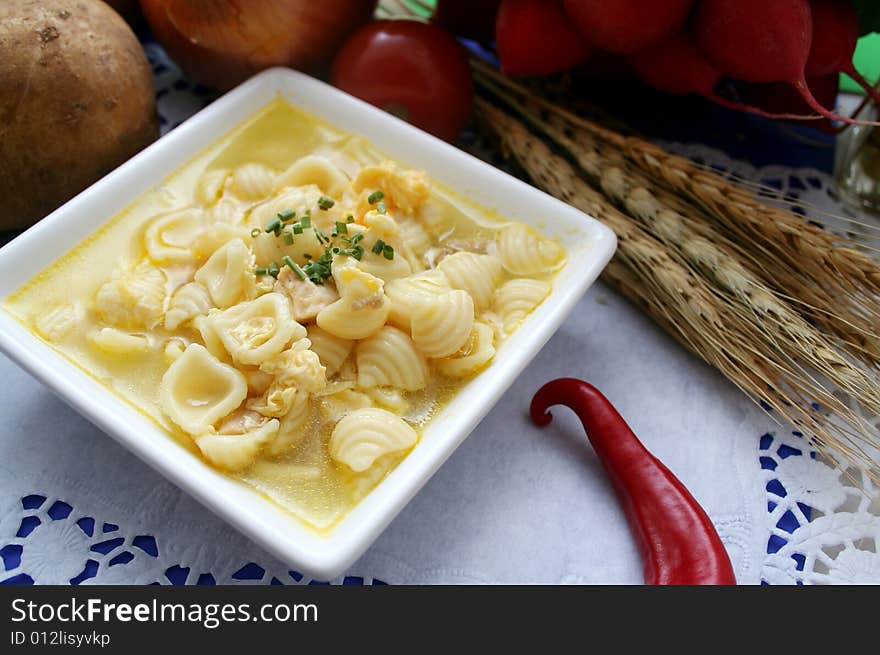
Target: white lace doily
point(59, 526)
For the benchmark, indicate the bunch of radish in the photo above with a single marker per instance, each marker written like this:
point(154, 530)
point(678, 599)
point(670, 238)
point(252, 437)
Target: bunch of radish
point(769, 51)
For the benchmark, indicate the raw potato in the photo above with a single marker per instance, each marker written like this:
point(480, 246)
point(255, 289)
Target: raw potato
point(76, 100)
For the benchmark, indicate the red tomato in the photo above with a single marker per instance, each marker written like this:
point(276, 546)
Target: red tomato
point(414, 70)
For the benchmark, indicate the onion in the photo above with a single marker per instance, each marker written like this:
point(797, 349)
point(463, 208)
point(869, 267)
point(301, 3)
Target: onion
point(220, 43)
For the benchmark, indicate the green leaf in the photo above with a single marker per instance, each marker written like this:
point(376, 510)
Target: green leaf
point(869, 16)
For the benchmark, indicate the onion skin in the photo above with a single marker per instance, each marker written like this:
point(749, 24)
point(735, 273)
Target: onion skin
point(220, 43)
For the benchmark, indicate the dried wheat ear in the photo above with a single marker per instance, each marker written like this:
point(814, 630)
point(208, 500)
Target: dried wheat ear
point(717, 268)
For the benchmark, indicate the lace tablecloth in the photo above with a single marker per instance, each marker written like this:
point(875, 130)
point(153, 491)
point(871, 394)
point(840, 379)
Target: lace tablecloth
point(513, 504)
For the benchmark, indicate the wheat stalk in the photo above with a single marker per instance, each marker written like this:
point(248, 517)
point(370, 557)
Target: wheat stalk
point(716, 325)
point(830, 297)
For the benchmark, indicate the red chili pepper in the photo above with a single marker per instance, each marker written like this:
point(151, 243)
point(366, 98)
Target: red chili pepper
point(678, 543)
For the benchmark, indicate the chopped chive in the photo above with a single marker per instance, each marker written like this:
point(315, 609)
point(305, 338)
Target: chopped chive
point(288, 237)
point(336, 251)
point(297, 228)
point(261, 270)
point(381, 208)
point(293, 266)
point(349, 219)
point(356, 238)
point(341, 227)
point(306, 220)
point(287, 215)
point(388, 252)
point(325, 203)
point(378, 247)
point(274, 226)
point(273, 269)
point(321, 236)
point(357, 252)
point(256, 232)
point(375, 197)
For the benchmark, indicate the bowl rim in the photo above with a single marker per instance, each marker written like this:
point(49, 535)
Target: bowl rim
point(322, 555)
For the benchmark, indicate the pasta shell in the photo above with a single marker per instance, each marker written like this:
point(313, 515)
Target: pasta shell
point(257, 330)
point(362, 307)
point(332, 351)
point(59, 321)
point(473, 356)
point(169, 237)
point(116, 342)
point(133, 299)
point(516, 299)
point(216, 236)
point(525, 252)
point(442, 324)
point(382, 227)
point(187, 302)
point(253, 181)
point(391, 399)
point(343, 402)
point(226, 273)
point(210, 338)
point(389, 359)
point(234, 452)
point(293, 425)
point(477, 274)
point(313, 169)
point(198, 390)
point(364, 435)
point(209, 188)
point(404, 292)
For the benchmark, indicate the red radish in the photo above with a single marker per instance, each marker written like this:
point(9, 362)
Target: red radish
point(761, 41)
point(472, 19)
point(535, 37)
point(779, 97)
point(604, 65)
point(677, 66)
point(835, 34)
point(627, 26)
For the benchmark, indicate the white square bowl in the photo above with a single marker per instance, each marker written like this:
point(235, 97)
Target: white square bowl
point(590, 246)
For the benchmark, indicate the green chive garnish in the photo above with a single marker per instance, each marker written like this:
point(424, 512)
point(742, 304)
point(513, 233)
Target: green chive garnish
point(297, 228)
point(375, 197)
point(288, 237)
point(274, 226)
point(273, 269)
point(306, 220)
point(286, 215)
point(388, 252)
point(261, 271)
point(293, 266)
point(356, 238)
point(378, 247)
point(349, 219)
point(325, 203)
point(341, 228)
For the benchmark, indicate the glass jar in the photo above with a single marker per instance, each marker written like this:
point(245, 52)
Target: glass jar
point(857, 163)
